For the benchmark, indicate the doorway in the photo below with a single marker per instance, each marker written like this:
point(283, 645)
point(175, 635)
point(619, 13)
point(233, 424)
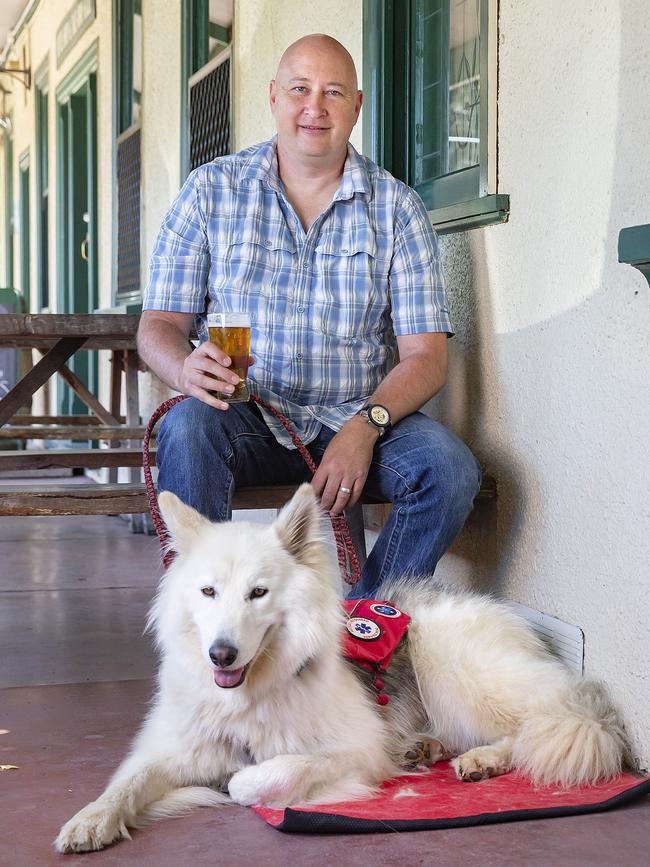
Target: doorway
point(77, 237)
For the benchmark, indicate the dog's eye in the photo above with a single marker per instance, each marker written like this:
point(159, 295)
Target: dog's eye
point(208, 591)
point(258, 592)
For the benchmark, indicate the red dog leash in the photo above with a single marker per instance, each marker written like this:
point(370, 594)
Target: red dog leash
point(347, 556)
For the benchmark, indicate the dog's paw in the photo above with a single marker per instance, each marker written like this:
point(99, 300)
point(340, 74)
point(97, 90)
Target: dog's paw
point(478, 764)
point(426, 751)
point(245, 787)
point(90, 829)
point(276, 782)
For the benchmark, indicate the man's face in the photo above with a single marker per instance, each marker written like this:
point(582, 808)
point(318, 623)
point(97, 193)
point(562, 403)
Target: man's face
point(315, 101)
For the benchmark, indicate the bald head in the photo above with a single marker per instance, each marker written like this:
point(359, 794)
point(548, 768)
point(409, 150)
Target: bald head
point(315, 102)
point(318, 46)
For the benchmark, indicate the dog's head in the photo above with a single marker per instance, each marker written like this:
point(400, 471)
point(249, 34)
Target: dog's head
point(247, 596)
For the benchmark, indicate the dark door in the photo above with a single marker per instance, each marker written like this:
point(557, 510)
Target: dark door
point(79, 292)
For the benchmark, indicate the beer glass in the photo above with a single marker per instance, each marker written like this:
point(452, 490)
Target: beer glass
point(231, 332)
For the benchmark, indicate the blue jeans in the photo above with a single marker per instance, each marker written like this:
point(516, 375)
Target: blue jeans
point(429, 475)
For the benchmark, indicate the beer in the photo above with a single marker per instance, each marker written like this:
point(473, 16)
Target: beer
point(231, 332)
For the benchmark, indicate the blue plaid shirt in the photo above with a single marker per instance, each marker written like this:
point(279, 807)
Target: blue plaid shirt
point(325, 305)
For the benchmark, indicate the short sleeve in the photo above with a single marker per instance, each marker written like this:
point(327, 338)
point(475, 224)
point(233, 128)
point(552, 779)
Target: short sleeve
point(180, 262)
point(416, 281)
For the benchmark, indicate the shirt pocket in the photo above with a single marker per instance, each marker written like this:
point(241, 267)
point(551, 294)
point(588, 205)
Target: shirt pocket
point(250, 269)
point(350, 290)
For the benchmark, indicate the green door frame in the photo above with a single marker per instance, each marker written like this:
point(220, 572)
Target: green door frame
point(25, 239)
point(77, 271)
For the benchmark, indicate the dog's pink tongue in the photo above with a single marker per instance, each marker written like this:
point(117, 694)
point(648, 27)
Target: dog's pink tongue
point(227, 678)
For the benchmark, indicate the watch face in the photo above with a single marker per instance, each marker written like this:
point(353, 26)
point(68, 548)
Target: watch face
point(379, 415)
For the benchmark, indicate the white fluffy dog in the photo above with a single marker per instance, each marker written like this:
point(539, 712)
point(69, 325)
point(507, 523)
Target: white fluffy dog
point(254, 697)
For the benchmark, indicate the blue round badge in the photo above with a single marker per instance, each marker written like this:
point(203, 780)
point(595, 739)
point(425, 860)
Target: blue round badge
point(385, 610)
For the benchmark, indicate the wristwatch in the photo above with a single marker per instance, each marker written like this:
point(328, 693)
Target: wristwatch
point(377, 416)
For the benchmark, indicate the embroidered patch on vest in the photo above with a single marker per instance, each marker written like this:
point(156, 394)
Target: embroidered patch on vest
point(361, 627)
point(385, 610)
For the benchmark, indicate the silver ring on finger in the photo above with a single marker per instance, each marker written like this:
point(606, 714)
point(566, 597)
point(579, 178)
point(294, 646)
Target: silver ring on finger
point(344, 490)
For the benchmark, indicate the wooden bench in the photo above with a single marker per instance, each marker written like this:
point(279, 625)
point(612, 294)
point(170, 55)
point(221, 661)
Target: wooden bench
point(131, 498)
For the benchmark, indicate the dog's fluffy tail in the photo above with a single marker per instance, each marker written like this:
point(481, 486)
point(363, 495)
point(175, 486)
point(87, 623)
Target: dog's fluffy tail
point(178, 802)
point(580, 742)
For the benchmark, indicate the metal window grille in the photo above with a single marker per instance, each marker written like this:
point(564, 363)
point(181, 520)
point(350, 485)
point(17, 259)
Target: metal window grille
point(128, 211)
point(209, 111)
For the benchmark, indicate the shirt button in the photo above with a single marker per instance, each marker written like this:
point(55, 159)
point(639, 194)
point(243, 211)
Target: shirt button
point(345, 250)
point(298, 354)
point(267, 243)
point(301, 310)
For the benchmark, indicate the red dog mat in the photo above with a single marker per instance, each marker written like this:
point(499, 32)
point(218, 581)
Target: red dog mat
point(436, 799)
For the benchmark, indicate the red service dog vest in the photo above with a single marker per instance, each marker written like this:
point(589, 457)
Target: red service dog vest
point(372, 632)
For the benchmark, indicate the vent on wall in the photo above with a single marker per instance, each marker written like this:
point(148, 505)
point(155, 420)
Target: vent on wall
point(565, 640)
point(209, 111)
point(128, 211)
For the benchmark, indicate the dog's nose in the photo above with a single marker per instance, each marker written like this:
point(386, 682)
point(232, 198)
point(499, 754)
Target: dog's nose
point(223, 654)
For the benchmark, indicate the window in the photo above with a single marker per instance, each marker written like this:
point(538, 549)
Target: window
point(430, 116)
point(128, 45)
point(206, 83)
point(208, 26)
point(42, 192)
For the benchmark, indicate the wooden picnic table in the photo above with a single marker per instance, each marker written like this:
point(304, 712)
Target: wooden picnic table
point(58, 337)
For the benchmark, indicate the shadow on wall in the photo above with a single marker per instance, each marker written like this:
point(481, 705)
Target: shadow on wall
point(477, 558)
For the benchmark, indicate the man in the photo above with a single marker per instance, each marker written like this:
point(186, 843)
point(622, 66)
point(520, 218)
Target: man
point(338, 267)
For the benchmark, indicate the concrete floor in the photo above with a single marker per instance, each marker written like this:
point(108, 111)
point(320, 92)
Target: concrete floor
point(75, 681)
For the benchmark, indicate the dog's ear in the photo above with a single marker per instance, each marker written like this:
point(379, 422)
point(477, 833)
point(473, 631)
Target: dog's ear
point(183, 522)
point(299, 526)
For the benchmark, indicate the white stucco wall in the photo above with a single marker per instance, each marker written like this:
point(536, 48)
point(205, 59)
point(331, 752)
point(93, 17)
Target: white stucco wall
point(549, 374)
point(161, 113)
point(262, 31)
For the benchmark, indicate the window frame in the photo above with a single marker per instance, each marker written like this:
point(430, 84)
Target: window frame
point(470, 196)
